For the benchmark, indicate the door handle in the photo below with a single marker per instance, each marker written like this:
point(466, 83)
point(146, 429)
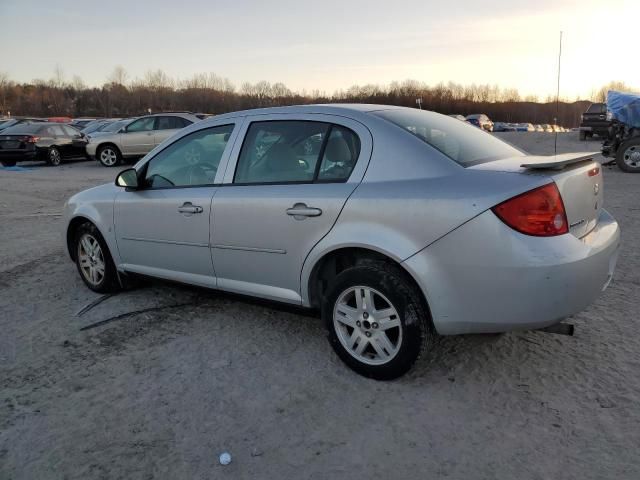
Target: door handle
point(189, 208)
point(300, 211)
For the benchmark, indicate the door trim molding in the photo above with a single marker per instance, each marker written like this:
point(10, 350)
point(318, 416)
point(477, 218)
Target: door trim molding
point(170, 242)
point(250, 249)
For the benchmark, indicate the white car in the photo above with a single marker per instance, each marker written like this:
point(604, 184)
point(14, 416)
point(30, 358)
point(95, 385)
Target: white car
point(396, 223)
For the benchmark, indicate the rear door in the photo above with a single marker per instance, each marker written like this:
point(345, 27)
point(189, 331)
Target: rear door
point(163, 228)
point(139, 137)
point(167, 125)
point(283, 190)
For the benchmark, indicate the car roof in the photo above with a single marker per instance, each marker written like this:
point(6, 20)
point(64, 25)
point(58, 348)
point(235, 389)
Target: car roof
point(352, 110)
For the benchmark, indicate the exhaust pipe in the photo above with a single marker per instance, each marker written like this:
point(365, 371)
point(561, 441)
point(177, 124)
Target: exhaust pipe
point(560, 329)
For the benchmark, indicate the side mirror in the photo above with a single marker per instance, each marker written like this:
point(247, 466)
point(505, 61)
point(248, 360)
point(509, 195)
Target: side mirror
point(128, 178)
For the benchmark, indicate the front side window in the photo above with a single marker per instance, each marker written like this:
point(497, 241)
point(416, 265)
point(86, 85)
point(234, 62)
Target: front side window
point(70, 132)
point(142, 125)
point(296, 151)
point(56, 131)
point(464, 145)
point(192, 160)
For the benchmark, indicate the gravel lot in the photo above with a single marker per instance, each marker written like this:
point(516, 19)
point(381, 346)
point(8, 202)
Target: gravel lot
point(161, 394)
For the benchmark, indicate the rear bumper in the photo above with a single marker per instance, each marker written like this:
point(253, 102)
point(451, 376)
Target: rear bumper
point(485, 277)
point(18, 155)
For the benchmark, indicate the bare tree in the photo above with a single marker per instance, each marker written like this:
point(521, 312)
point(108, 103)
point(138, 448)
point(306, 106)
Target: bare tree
point(118, 75)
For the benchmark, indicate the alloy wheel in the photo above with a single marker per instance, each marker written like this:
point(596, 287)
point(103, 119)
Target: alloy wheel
point(91, 258)
point(632, 156)
point(54, 156)
point(367, 325)
point(108, 157)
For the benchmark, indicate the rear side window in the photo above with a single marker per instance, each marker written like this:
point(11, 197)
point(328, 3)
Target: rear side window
point(171, 123)
point(462, 143)
point(296, 152)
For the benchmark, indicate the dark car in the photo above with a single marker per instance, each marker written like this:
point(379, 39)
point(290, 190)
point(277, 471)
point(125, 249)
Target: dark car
point(50, 142)
point(595, 121)
point(80, 123)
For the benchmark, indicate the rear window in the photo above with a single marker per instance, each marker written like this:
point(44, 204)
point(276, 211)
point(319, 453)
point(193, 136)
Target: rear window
point(597, 108)
point(23, 128)
point(464, 144)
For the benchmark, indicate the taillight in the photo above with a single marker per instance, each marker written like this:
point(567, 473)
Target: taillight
point(539, 212)
point(30, 139)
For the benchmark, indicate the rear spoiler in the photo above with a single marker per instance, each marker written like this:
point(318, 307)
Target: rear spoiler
point(557, 162)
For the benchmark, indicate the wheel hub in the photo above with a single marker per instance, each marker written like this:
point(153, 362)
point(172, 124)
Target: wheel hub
point(632, 156)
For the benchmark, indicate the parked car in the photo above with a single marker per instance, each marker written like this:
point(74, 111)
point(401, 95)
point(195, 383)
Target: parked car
point(623, 140)
point(261, 214)
point(50, 142)
point(480, 120)
point(110, 128)
point(547, 128)
point(80, 123)
point(137, 137)
point(538, 128)
point(98, 125)
point(66, 120)
point(595, 121)
point(7, 123)
point(502, 127)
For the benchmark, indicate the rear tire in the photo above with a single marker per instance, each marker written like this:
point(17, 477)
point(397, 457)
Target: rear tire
point(54, 157)
point(109, 156)
point(628, 156)
point(8, 163)
point(377, 321)
point(94, 261)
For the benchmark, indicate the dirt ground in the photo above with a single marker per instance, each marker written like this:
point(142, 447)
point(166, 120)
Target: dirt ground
point(160, 394)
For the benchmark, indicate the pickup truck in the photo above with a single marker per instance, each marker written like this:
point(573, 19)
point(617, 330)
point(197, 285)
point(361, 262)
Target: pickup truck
point(595, 121)
point(623, 140)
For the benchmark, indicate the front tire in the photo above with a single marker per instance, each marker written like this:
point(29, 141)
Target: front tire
point(109, 156)
point(628, 156)
point(54, 157)
point(94, 261)
point(377, 321)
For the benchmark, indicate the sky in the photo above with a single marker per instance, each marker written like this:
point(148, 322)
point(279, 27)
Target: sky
point(328, 45)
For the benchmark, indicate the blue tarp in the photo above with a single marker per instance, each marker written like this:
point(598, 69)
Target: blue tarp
point(625, 107)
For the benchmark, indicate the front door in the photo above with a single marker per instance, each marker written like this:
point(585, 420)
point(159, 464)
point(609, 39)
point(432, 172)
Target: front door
point(163, 228)
point(139, 137)
point(290, 182)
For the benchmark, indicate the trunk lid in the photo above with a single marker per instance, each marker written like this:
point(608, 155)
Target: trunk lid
point(577, 175)
point(12, 142)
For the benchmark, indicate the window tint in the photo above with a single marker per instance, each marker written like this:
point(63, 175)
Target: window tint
point(142, 125)
point(340, 154)
point(170, 123)
point(462, 143)
point(280, 151)
point(192, 160)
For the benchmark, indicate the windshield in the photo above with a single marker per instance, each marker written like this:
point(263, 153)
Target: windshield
point(461, 142)
point(115, 126)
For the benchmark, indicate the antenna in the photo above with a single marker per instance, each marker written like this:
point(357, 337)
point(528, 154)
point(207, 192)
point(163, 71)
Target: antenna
point(555, 143)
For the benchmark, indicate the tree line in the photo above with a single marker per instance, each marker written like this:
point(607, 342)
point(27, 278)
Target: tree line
point(210, 93)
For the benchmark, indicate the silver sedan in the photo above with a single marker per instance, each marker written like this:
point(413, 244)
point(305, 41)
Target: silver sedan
point(397, 224)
